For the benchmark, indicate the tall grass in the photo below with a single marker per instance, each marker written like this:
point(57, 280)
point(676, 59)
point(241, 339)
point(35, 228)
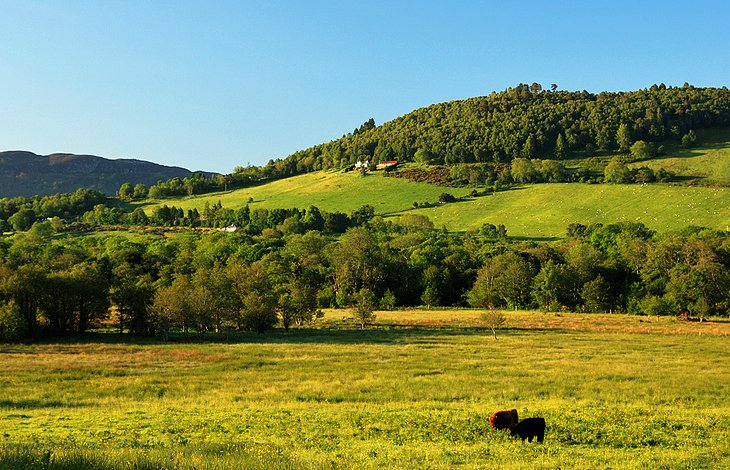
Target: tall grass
point(414, 391)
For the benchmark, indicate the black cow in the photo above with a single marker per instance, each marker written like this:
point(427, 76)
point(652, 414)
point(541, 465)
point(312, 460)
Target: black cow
point(529, 428)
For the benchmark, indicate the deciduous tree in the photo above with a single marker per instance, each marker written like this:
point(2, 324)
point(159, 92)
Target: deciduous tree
point(365, 303)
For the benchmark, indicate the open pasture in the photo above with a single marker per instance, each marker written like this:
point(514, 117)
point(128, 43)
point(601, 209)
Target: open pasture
point(413, 391)
point(708, 163)
point(328, 190)
point(545, 210)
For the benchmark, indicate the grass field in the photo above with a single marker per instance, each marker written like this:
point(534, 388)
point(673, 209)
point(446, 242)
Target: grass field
point(330, 191)
point(545, 210)
point(708, 163)
point(534, 211)
point(414, 391)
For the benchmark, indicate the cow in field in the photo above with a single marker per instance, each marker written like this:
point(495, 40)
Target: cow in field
point(529, 428)
point(505, 419)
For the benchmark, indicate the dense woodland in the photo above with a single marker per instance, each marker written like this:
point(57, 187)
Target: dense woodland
point(527, 122)
point(198, 282)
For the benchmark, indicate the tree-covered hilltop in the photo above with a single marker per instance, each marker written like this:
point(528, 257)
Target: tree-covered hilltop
point(523, 122)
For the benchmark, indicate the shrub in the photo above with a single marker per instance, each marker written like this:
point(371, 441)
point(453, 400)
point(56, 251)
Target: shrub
point(389, 301)
point(259, 319)
point(617, 172)
point(655, 305)
point(446, 197)
point(364, 306)
point(596, 295)
point(641, 150)
point(689, 139)
point(493, 320)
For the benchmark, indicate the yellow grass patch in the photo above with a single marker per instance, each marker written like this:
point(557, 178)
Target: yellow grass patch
point(541, 320)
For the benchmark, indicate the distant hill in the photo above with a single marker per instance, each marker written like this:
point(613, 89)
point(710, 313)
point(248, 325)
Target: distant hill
point(27, 174)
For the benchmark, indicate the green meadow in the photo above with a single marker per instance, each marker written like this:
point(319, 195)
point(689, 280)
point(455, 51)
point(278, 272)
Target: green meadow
point(412, 391)
point(707, 164)
point(328, 190)
point(545, 210)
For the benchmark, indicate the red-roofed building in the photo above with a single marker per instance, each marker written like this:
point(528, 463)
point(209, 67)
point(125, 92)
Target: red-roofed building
point(386, 164)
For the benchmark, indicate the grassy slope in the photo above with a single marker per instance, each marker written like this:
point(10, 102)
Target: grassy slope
point(709, 163)
point(330, 191)
point(413, 393)
point(532, 211)
point(545, 210)
point(706, 164)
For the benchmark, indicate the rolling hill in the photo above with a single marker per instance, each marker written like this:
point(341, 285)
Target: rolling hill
point(582, 130)
point(27, 174)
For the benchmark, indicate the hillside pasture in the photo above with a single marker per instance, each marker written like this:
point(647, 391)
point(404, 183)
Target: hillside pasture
point(705, 164)
point(414, 391)
point(330, 191)
point(709, 165)
point(545, 210)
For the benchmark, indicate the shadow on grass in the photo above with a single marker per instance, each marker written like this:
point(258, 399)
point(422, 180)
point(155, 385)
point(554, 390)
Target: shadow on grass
point(349, 333)
point(683, 152)
point(38, 404)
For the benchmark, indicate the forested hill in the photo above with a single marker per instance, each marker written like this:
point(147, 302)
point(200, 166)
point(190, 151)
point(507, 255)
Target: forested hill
point(27, 174)
point(523, 122)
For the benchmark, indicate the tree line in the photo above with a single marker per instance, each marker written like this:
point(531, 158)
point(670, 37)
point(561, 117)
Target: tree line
point(20, 213)
point(195, 282)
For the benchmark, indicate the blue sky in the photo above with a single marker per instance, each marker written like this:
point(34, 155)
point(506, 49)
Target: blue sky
point(211, 85)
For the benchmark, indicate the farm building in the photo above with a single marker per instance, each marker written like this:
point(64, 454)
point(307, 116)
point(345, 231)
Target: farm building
point(386, 164)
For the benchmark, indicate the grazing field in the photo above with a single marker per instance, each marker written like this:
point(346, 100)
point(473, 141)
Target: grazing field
point(707, 164)
point(545, 210)
point(328, 190)
point(413, 391)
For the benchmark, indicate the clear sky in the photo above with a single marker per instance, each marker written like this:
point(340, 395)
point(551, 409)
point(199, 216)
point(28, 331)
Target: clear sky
point(210, 85)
